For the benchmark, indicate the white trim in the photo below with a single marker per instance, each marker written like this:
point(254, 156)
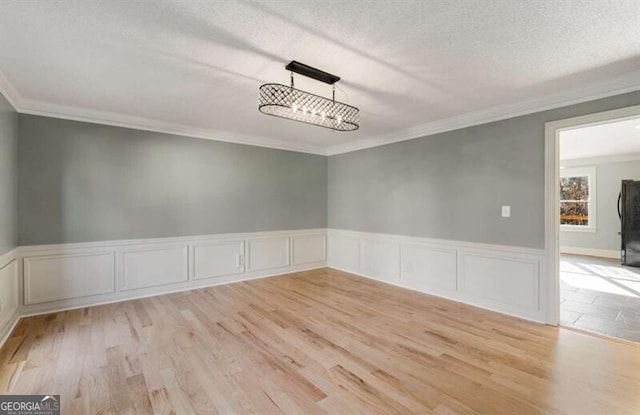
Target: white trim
point(446, 296)
point(551, 186)
point(616, 158)
point(8, 326)
point(9, 92)
point(621, 85)
point(183, 279)
point(145, 124)
point(443, 243)
point(600, 253)
point(386, 261)
point(7, 257)
point(505, 279)
point(31, 249)
point(210, 282)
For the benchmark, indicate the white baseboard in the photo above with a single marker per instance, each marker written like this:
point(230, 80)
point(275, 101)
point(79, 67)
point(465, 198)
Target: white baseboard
point(8, 326)
point(506, 279)
point(50, 278)
point(601, 253)
point(74, 304)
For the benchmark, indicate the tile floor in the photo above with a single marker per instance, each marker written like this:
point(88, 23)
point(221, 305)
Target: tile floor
point(600, 295)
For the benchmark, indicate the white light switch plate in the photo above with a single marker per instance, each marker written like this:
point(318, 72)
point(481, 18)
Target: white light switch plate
point(506, 211)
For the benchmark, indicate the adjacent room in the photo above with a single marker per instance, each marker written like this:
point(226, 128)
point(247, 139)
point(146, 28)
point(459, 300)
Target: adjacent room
point(599, 274)
point(319, 207)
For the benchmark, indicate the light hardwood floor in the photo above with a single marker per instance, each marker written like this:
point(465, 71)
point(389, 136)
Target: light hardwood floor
point(314, 342)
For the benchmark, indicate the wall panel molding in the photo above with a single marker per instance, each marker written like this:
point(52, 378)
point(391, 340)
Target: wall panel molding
point(70, 275)
point(306, 249)
point(149, 266)
point(268, 253)
point(218, 258)
point(9, 294)
point(380, 258)
point(501, 278)
point(66, 276)
point(506, 279)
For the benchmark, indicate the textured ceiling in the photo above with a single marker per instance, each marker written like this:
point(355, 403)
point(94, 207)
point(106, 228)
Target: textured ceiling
point(602, 140)
point(196, 66)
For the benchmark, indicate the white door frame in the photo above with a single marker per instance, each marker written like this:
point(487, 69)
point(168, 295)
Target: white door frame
point(552, 191)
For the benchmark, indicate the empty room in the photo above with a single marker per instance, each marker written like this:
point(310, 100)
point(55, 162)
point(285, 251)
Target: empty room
point(319, 207)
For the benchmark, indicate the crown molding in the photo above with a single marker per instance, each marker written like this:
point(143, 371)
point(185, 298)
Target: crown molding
point(10, 93)
point(621, 85)
point(588, 161)
point(32, 107)
point(139, 123)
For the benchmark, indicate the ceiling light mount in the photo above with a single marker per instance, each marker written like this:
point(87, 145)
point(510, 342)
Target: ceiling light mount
point(311, 72)
point(294, 104)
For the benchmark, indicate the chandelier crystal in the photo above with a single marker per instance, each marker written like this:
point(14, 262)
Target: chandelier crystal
point(294, 104)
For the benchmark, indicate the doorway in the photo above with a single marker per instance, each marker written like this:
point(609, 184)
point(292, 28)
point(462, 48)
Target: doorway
point(587, 158)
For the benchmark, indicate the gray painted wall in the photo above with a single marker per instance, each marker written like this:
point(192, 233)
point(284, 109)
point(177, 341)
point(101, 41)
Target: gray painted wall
point(608, 177)
point(8, 176)
point(452, 185)
point(85, 182)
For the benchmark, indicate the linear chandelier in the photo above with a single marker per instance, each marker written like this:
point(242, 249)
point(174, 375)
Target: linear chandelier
point(294, 104)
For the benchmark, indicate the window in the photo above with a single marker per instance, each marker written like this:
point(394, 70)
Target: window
point(577, 199)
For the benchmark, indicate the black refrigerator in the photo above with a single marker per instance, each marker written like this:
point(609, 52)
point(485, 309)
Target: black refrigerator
point(629, 213)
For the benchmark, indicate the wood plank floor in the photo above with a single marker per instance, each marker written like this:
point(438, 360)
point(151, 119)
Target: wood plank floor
point(314, 342)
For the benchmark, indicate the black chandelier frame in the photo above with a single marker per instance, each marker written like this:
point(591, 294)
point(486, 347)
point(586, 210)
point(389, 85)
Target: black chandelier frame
point(287, 102)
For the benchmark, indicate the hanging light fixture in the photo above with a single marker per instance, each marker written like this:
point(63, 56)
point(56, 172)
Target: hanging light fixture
point(294, 104)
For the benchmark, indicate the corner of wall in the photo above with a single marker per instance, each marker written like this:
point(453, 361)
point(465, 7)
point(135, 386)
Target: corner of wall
point(9, 294)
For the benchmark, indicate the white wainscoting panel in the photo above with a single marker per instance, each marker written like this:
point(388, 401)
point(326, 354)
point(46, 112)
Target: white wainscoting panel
point(8, 293)
point(380, 258)
point(154, 265)
point(309, 248)
point(218, 258)
point(426, 268)
point(501, 278)
point(268, 253)
point(506, 281)
point(344, 251)
point(58, 277)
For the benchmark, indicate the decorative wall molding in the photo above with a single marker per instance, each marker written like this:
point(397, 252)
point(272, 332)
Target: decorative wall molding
point(66, 276)
point(268, 253)
point(69, 275)
point(217, 258)
point(24, 105)
point(146, 124)
point(49, 278)
point(9, 298)
point(306, 249)
point(153, 265)
point(9, 92)
point(7, 257)
point(590, 161)
point(601, 253)
point(506, 279)
point(616, 86)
